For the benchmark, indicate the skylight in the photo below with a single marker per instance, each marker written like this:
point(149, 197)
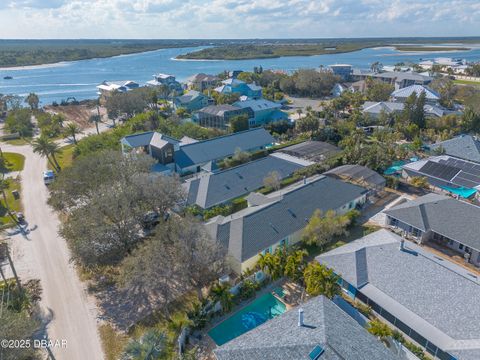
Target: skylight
point(316, 352)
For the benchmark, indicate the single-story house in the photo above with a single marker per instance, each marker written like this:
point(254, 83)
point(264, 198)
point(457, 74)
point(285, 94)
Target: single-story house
point(218, 116)
point(218, 187)
point(311, 150)
point(452, 223)
point(159, 146)
point(401, 95)
point(361, 175)
point(234, 85)
point(446, 173)
point(201, 82)
point(400, 79)
point(192, 100)
point(374, 109)
point(466, 147)
point(107, 88)
point(430, 299)
point(264, 111)
point(324, 332)
point(278, 219)
point(340, 88)
point(191, 157)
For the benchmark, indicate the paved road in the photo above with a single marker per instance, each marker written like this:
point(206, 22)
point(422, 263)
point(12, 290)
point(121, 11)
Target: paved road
point(44, 255)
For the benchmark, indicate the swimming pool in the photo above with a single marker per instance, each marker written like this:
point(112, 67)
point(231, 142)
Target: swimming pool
point(259, 311)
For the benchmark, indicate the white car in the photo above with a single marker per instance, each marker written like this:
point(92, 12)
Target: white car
point(48, 177)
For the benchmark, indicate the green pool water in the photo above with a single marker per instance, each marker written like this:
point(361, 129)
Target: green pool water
point(259, 311)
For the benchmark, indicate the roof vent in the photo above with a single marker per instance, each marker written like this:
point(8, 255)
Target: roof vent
point(402, 245)
point(300, 317)
point(273, 227)
point(290, 211)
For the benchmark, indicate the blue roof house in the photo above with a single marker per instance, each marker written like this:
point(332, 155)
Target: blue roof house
point(240, 87)
point(192, 100)
point(264, 111)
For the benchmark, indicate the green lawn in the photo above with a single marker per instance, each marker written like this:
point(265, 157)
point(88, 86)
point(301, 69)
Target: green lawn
point(14, 161)
point(65, 158)
point(18, 142)
point(467, 82)
point(15, 205)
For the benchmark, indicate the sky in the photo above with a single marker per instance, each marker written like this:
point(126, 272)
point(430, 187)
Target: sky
point(159, 19)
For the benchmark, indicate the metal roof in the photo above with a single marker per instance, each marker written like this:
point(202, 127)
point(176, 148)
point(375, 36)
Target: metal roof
point(312, 150)
point(417, 89)
point(358, 173)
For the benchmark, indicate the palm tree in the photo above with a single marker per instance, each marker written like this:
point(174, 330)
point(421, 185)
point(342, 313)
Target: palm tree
point(73, 130)
point(295, 264)
point(222, 293)
point(321, 281)
point(47, 148)
point(151, 346)
point(379, 329)
point(95, 119)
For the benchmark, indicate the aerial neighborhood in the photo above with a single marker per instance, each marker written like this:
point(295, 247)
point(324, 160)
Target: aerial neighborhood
point(321, 213)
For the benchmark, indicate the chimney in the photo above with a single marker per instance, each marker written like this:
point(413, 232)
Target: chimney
point(402, 245)
point(300, 317)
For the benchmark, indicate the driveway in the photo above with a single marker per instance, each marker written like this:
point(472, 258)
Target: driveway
point(44, 255)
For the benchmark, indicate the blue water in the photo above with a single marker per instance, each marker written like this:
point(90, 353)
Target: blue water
point(259, 311)
point(79, 78)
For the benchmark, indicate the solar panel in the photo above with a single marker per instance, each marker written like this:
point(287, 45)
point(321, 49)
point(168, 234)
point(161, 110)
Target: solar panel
point(316, 352)
point(439, 171)
point(465, 183)
point(468, 176)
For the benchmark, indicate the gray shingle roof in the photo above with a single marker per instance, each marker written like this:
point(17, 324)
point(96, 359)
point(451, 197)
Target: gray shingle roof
point(312, 150)
point(464, 147)
point(256, 228)
point(211, 189)
point(221, 147)
point(148, 138)
point(281, 338)
point(455, 219)
point(417, 89)
point(358, 173)
point(433, 296)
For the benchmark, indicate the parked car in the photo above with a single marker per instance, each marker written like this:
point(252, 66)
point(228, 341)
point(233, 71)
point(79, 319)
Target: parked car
point(48, 177)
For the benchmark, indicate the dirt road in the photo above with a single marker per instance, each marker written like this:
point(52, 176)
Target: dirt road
point(44, 255)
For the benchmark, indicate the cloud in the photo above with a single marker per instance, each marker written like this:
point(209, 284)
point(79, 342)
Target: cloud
point(237, 18)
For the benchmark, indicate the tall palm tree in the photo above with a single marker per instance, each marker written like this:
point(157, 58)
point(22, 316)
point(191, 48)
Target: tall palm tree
point(151, 346)
point(73, 130)
point(47, 148)
point(95, 119)
point(221, 293)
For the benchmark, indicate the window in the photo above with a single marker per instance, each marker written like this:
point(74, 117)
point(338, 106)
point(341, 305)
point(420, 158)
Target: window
point(283, 242)
point(460, 246)
point(418, 338)
point(351, 205)
point(432, 349)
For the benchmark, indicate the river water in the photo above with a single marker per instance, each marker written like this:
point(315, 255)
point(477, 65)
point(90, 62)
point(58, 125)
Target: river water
point(79, 78)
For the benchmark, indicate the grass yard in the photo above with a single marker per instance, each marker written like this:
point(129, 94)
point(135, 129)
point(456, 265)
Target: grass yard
point(15, 205)
point(112, 342)
point(14, 161)
point(18, 142)
point(467, 82)
point(65, 158)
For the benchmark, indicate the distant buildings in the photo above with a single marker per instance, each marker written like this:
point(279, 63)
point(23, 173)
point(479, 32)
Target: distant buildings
point(201, 82)
point(345, 71)
point(233, 85)
point(457, 66)
point(165, 80)
point(264, 111)
point(399, 79)
point(107, 88)
point(431, 96)
point(375, 109)
point(277, 219)
point(218, 116)
point(192, 100)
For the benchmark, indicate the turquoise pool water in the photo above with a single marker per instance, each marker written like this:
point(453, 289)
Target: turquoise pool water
point(259, 311)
